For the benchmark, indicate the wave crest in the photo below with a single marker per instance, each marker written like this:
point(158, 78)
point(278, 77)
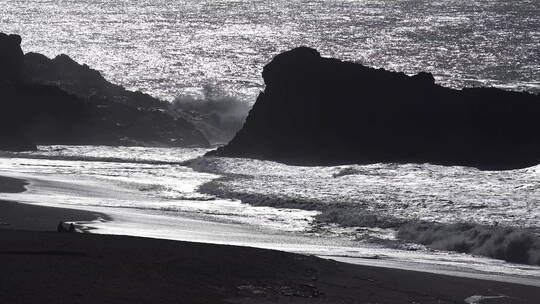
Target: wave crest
point(217, 113)
point(504, 243)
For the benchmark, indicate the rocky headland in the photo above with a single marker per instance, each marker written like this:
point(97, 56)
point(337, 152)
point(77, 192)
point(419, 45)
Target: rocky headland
point(217, 116)
point(58, 101)
point(323, 111)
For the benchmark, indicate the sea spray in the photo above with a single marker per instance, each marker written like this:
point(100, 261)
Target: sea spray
point(504, 243)
point(218, 113)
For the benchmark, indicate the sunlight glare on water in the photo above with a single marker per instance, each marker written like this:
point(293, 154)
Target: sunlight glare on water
point(411, 191)
point(169, 48)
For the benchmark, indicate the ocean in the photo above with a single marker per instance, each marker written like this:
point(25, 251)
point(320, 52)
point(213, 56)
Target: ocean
point(175, 49)
point(181, 48)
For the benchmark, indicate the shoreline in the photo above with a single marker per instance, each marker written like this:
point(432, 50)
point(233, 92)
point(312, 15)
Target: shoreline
point(192, 228)
point(90, 268)
point(21, 216)
point(491, 239)
point(84, 268)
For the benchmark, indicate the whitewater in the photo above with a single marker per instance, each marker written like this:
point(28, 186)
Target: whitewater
point(160, 192)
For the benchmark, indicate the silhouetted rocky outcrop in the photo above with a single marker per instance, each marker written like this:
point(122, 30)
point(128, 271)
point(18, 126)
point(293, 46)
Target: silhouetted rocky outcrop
point(217, 117)
point(12, 136)
point(318, 110)
point(81, 80)
point(58, 101)
point(11, 58)
point(43, 114)
point(13, 139)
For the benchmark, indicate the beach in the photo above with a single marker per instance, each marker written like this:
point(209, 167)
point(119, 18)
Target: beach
point(41, 265)
point(14, 215)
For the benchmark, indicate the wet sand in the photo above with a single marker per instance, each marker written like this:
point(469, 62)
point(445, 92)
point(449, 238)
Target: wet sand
point(15, 215)
point(51, 267)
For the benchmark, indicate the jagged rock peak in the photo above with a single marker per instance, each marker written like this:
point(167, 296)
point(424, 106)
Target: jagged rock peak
point(11, 57)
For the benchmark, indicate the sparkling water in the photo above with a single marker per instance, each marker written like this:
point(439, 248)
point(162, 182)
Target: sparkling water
point(171, 48)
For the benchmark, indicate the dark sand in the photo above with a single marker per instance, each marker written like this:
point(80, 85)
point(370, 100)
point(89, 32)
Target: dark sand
point(12, 185)
point(31, 217)
point(51, 267)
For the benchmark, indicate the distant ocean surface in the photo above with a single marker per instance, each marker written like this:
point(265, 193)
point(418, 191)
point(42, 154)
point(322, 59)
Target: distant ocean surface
point(175, 48)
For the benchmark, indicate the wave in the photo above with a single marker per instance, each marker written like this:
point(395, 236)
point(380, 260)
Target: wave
point(89, 158)
point(217, 188)
point(503, 243)
point(347, 171)
point(519, 245)
point(356, 216)
point(217, 113)
point(216, 101)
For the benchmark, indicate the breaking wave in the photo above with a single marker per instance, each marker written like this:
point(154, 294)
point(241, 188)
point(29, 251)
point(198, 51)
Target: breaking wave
point(214, 101)
point(110, 154)
point(504, 243)
point(392, 196)
point(217, 113)
point(514, 245)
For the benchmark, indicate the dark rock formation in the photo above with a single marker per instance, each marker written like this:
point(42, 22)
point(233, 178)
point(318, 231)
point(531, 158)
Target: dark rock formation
point(42, 114)
point(58, 101)
point(121, 124)
point(217, 117)
point(48, 115)
point(11, 58)
point(318, 110)
point(12, 137)
point(81, 80)
point(122, 116)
